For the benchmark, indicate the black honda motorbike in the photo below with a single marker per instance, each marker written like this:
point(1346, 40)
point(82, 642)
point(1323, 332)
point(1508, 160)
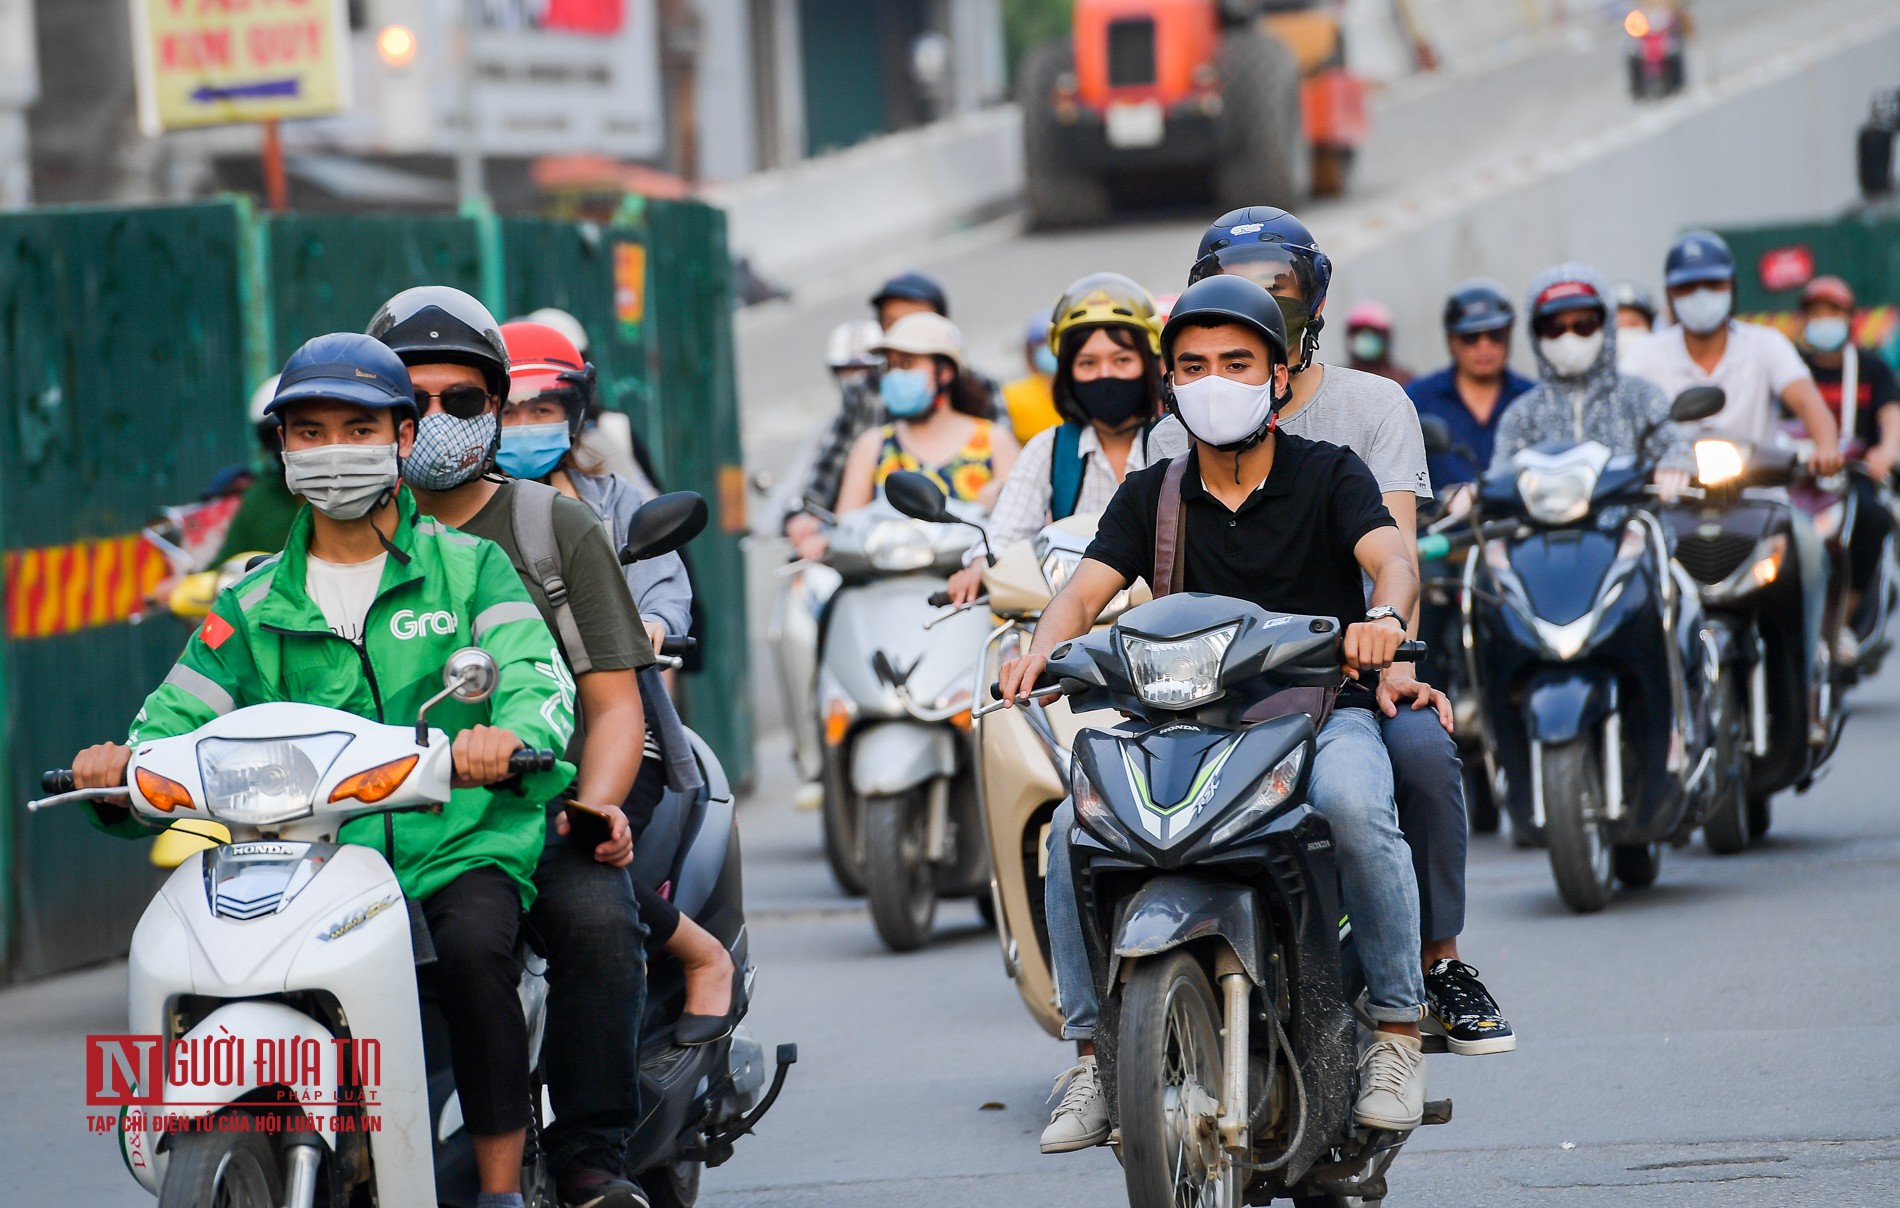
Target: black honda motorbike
point(1594, 663)
point(1780, 722)
point(1210, 907)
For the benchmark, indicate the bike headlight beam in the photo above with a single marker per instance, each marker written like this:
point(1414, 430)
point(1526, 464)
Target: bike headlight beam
point(899, 545)
point(264, 781)
point(1178, 673)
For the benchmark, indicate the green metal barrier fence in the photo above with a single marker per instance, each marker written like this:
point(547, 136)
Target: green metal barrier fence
point(1773, 262)
point(129, 340)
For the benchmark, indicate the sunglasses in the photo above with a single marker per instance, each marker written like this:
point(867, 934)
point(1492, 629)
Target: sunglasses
point(1471, 339)
point(1582, 323)
point(464, 401)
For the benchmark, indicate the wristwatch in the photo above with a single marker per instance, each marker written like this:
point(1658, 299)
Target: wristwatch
point(1379, 612)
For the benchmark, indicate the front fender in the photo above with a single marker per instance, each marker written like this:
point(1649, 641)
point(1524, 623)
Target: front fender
point(1559, 709)
point(1173, 910)
point(258, 1035)
point(890, 757)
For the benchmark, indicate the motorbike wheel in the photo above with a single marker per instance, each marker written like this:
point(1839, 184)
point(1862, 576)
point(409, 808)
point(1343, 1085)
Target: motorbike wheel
point(1637, 864)
point(675, 1185)
point(1725, 826)
point(1264, 156)
point(1580, 857)
point(222, 1170)
point(899, 883)
point(1168, 1079)
point(1481, 808)
point(840, 820)
point(1761, 815)
point(1058, 193)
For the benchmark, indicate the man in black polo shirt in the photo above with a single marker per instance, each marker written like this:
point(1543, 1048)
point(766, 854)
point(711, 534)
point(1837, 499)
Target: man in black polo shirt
point(1289, 525)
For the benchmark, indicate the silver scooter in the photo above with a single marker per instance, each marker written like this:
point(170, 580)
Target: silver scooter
point(893, 703)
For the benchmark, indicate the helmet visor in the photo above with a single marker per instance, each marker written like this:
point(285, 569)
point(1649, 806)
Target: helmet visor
point(1269, 265)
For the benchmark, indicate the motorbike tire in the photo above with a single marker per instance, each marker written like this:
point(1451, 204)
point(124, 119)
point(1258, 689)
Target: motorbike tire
point(1169, 1026)
point(226, 1169)
point(1580, 857)
point(839, 817)
point(986, 904)
point(1057, 193)
point(1637, 865)
point(1725, 826)
point(1481, 808)
point(899, 884)
point(674, 1185)
point(1264, 159)
point(1761, 815)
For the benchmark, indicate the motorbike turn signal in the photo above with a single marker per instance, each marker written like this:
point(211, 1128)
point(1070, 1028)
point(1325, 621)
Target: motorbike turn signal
point(164, 794)
point(377, 783)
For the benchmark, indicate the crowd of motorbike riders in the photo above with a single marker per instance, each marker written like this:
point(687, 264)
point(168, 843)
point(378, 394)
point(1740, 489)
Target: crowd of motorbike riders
point(1642, 581)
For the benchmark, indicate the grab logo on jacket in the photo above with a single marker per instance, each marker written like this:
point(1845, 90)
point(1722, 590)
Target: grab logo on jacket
point(409, 623)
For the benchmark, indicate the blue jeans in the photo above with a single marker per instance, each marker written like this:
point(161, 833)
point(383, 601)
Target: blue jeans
point(587, 925)
point(1429, 787)
point(1351, 786)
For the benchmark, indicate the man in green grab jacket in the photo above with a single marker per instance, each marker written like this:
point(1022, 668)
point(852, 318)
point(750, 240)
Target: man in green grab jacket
point(359, 613)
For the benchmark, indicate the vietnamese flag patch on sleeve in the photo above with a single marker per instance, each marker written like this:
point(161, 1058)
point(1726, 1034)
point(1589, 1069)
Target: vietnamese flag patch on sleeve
point(215, 631)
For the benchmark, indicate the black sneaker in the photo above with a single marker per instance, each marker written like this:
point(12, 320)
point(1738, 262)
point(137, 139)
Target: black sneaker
point(582, 1186)
point(1464, 1011)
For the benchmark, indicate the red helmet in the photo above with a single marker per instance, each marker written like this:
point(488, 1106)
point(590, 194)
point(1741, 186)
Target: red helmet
point(1829, 289)
point(544, 362)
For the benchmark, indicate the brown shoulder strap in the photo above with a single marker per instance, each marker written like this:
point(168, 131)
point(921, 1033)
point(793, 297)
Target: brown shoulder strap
point(1170, 530)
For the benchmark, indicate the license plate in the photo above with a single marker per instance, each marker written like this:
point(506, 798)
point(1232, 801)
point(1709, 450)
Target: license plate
point(1138, 125)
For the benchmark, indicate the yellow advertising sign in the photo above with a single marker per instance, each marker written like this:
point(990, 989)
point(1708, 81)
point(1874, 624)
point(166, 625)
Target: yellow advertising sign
point(213, 62)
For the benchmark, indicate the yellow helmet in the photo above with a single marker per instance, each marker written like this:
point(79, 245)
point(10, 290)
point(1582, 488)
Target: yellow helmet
point(1105, 298)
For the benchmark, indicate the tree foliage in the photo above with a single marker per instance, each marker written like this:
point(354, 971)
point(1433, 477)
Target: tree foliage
point(1027, 24)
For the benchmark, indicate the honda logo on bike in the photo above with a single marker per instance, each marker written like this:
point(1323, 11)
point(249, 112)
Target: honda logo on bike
point(122, 1071)
point(409, 623)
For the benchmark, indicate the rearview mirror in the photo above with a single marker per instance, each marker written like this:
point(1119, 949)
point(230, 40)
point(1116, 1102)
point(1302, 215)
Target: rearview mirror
point(1437, 433)
point(664, 525)
point(470, 675)
point(916, 496)
point(1697, 402)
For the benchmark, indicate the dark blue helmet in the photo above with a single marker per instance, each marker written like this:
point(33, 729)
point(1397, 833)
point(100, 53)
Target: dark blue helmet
point(345, 367)
point(916, 287)
point(1223, 299)
point(1263, 235)
point(1698, 258)
point(1479, 304)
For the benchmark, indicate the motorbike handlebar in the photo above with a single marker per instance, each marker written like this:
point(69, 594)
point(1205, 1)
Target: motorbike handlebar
point(939, 599)
point(531, 760)
point(676, 646)
point(1413, 650)
point(58, 780)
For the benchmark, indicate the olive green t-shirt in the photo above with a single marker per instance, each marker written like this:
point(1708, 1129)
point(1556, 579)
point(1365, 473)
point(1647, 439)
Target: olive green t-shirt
point(604, 611)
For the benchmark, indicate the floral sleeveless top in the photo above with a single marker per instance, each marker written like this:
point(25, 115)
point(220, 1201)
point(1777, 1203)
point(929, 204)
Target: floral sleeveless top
point(963, 477)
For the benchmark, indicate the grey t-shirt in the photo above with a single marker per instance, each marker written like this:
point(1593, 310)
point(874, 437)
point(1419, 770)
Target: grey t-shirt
point(1364, 412)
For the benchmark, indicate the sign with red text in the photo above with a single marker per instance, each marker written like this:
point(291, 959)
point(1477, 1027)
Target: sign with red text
point(214, 62)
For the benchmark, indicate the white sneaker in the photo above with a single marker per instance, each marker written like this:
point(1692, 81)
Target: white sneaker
point(1391, 1083)
point(1080, 1121)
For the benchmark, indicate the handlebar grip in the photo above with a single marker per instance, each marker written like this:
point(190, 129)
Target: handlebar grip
point(674, 645)
point(1412, 650)
point(1433, 545)
point(59, 780)
point(996, 689)
point(939, 599)
point(529, 760)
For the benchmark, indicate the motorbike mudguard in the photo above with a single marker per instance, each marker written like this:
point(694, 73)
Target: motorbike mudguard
point(891, 757)
point(263, 1027)
point(1173, 910)
point(1558, 709)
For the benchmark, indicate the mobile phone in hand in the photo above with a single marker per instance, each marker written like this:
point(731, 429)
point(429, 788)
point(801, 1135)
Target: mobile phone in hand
point(588, 827)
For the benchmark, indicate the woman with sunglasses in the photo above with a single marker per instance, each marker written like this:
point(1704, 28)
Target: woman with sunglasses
point(1580, 394)
point(1473, 392)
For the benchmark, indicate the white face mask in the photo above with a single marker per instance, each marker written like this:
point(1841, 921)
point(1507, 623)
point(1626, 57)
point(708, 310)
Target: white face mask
point(1571, 355)
point(344, 482)
point(1702, 311)
point(1221, 411)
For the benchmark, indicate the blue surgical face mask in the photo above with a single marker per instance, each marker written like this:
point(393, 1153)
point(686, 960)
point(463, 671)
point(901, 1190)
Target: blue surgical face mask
point(1827, 333)
point(532, 450)
point(907, 392)
point(1045, 359)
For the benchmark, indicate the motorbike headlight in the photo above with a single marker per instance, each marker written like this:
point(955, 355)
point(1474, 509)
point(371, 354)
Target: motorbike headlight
point(1057, 566)
point(899, 545)
point(1275, 787)
point(1557, 494)
point(1718, 462)
point(1181, 673)
point(260, 781)
point(1092, 812)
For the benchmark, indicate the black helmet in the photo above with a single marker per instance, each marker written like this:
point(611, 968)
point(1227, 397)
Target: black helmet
point(436, 324)
point(916, 287)
point(1220, 300)
point(1479, 304)
point(344, 367)
point(1633, 295)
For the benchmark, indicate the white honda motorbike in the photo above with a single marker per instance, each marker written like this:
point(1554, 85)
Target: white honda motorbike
point(273, 948)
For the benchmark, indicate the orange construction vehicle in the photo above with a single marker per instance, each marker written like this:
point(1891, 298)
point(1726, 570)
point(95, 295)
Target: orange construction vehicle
point(1252, 97)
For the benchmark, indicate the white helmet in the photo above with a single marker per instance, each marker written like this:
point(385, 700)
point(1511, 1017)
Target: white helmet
point(563, 322)
point(260, 399)
point(924, 333)
point(851, 343)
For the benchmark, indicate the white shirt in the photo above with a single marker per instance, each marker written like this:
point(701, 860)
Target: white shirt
point(1023, 507)
point(344, 592)
point(1758, 364)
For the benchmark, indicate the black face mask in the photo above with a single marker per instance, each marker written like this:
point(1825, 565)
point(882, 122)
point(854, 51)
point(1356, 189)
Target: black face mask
point(1111, 401)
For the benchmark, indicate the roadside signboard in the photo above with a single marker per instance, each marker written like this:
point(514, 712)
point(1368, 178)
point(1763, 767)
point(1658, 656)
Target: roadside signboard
point(214, 62)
